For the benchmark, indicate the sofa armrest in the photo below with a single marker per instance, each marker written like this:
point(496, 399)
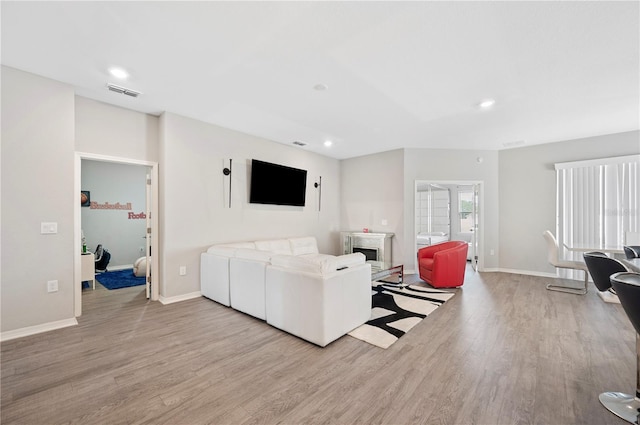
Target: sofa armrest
point(317, 308)
point(214, 277)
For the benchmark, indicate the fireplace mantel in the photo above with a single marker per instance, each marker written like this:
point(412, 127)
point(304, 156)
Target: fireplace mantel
point(375, 246)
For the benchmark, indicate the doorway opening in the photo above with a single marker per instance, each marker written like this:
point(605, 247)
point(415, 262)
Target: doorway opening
point(449, 210)
point(144, 223)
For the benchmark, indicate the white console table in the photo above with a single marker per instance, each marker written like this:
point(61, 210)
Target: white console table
point(88, 265)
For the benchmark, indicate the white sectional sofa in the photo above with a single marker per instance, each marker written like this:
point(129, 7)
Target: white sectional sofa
point(290, 285)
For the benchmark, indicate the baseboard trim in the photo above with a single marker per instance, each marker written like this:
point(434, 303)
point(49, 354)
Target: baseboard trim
point(123, 267)
point(528, 273)
point(539, 274)
point(32, 330)
point(178, 298)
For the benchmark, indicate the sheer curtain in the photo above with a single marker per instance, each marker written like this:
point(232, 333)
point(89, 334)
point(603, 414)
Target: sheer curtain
point(597, 203)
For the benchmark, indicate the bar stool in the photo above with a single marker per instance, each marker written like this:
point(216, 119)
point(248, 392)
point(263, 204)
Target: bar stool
point(627, 407)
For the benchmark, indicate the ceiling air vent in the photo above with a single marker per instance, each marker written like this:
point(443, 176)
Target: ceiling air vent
point(123, 90)
point(298, 143)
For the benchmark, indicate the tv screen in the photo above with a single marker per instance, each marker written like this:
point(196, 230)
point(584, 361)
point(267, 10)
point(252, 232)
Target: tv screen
point(276, 184)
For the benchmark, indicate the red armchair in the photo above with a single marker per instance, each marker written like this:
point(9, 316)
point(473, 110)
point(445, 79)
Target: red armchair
point(443, 265)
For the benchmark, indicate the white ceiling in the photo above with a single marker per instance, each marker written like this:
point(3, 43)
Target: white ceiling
point(399, 74)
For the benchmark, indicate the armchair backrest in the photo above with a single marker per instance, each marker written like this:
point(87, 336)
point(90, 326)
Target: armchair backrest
point(631, 251)
point(627, 286)
point(601, 268)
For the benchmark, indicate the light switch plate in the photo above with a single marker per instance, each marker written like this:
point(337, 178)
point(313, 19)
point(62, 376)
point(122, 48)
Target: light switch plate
point(52, 286)
point(48, 228)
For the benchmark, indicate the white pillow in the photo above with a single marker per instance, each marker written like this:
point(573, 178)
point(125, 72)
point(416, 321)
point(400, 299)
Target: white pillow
point(302, 246)
point(278, 246)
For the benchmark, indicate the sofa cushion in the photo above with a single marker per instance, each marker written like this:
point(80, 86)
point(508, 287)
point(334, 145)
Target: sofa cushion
point(253, 254)
point(278, 246)
point(229, 250)
point(347, 260)
point(297, 263)
point(320, 264)
point(426, 263)
point(302, 246)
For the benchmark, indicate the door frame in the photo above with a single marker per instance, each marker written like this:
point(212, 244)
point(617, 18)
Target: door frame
point(77, 221)
point(480, 224)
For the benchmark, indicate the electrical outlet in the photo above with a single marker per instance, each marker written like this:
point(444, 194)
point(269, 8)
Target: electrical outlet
point(384, 222)
point(492, 252)
point(52, 286)
point(183, 270)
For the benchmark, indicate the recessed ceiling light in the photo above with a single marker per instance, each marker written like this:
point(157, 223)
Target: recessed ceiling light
point(320, 87)
point(328, 143)
point(487, 103)
point(119, 73)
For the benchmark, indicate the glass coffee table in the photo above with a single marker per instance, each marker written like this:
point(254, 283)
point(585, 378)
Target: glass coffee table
point(381, 270)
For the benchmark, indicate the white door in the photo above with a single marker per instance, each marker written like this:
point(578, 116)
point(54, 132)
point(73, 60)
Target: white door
point(148, 236)
point(474, 236)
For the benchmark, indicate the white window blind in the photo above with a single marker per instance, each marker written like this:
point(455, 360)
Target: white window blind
point(598, 201)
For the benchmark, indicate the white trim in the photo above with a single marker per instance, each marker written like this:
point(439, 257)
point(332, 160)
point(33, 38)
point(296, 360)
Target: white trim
point(178, 298)
point(528, 273)
point(534, 273)
point(596, 162)
point(123, 267)
point(479, 235)
point(107, 158)
point(32, 330)
point(79, 156)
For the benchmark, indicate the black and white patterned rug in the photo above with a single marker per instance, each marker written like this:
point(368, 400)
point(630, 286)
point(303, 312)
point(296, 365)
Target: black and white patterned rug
point(396, 310)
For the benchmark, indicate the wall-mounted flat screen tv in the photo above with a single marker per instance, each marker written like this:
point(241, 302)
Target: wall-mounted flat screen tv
point(276, 184)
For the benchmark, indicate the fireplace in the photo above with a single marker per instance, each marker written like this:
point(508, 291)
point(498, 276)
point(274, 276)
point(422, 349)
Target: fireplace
point(371, 254)
point(376, 247)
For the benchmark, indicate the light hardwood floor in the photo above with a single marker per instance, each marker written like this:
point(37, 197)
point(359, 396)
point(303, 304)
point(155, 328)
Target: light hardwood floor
point(502, 351)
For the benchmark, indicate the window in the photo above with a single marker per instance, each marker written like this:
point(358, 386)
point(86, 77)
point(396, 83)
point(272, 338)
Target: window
point(598, 201)
point(465, 210)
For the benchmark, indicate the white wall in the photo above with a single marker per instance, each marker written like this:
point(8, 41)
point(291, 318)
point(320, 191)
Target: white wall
point(444, 165)
point(40, 116)
point(381, 186)
point(528, 191)
point(372, 191)
point(37, 186)
point(194, 204)
point(103, 129)
point(120, 231)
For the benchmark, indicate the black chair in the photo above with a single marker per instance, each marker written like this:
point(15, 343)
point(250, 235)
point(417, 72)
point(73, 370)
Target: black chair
point(627, 407)
point(631, 251)
point(103, 256)
point(601, 267)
